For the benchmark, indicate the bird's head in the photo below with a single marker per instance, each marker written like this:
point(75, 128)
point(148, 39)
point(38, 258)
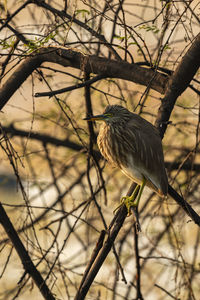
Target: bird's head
point(112, 114)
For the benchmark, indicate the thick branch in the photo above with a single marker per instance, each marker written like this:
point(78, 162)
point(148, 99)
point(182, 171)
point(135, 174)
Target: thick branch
point(186, 206)
point(89, 63)
point(117, 223)
point(178, 83)
point(44, 138)
point(24, 256)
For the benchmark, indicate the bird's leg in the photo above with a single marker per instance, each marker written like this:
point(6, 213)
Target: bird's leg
point(136, 203)
point(134, 199)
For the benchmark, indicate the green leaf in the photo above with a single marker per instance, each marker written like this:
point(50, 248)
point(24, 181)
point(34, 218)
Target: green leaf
point(84, 12)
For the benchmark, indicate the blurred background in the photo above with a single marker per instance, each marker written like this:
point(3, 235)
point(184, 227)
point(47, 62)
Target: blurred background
point(57, 193)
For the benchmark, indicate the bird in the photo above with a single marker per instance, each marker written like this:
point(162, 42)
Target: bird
point(132, 144)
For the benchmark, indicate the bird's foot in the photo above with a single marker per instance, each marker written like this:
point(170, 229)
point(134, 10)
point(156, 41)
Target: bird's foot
point(130, 202)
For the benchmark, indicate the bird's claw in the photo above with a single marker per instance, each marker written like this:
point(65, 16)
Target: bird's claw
point(129, 202)
point(117, 208)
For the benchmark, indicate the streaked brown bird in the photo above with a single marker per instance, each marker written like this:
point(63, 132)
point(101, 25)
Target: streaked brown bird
point(132, 144)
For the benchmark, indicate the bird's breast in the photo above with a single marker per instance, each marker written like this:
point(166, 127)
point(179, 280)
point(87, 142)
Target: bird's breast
point(113, 145)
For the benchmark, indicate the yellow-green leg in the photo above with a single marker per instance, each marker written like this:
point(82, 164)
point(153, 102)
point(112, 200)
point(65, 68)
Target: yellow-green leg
point(134, 199)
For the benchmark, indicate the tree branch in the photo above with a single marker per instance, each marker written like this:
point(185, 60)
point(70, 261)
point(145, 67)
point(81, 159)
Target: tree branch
point(44, 138)
point(117, 223)
point(24, 256)
point(178, 83)
point(70, 88)
point(89, 63)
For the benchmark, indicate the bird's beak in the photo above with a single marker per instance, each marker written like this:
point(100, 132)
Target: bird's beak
point(95, 118)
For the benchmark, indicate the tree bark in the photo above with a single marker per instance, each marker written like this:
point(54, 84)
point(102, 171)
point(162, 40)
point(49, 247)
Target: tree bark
point(178, 83)
point(89, 63)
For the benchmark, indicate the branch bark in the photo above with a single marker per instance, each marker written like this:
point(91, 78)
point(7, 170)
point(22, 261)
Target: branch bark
point(178, 83)
point(78, 60)
point(24, 256)
point(112, 234)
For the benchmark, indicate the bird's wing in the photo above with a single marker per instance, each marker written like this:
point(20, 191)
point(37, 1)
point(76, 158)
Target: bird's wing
point(147, 151)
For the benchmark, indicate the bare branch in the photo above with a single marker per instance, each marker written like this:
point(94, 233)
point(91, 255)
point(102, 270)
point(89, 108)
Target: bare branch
point(24, 256)
point(91, 64)
point(178, 83)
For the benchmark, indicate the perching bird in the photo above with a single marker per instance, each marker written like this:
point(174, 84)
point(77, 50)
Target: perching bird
point(132, 144)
